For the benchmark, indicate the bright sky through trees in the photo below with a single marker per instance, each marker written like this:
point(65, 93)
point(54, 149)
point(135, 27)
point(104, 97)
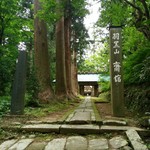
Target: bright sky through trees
point(90, 19)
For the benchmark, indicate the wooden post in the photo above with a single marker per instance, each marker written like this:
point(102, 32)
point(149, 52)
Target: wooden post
point(116, 71)
point(95, 90)
point(82, 89)
point(18, 92)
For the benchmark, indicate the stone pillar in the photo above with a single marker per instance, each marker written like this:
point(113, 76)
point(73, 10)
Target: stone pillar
point(117, 87)
point(18, 91)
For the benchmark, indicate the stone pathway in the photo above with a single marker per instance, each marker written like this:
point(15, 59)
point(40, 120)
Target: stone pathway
point(81, 122)
point(84, 114)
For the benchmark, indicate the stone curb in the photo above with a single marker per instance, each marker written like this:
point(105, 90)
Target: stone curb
point(135, 139)
point(67, 128)
point(80, 129)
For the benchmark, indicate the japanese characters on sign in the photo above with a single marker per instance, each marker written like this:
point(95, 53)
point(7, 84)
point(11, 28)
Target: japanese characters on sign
point(116, 72)
point(116, 51)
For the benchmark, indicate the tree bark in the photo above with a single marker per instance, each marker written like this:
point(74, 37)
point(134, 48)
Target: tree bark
point(61, 87)
point(41, 57)
point(74, 73)
point(68, 56)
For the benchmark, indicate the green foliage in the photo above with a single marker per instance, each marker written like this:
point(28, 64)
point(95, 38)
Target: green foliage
point(131, 39)
point(138, 60)
point(104, 97)
point(137, 98)
point(113, 13)
point(48, 11)
point(78, 42)
point(104, 82)
point(4, 104)
point(7, 66)
point(32, 86)
point(97, 62)
point(104, 86)
point(14, 28)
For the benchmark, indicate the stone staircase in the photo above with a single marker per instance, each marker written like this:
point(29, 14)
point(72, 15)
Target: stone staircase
point(80, 130)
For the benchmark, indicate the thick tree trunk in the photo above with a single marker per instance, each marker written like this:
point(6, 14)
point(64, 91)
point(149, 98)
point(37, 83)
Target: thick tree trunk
point(74, 73)
point(61, 87)
point(68, 56)
point(41, 57)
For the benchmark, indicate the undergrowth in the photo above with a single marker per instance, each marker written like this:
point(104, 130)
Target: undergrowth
point(137, 98)
point(4, 104)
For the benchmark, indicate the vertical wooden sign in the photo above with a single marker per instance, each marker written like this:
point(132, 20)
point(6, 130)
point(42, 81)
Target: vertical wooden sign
point(116, 71)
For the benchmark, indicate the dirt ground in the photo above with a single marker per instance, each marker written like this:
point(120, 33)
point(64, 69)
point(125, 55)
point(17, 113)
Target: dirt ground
point(105, 112)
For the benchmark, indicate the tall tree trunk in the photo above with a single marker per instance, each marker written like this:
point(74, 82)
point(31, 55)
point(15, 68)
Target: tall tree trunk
point(61, 87)
point(41, 56)
point(68, 56)
point(74, 73)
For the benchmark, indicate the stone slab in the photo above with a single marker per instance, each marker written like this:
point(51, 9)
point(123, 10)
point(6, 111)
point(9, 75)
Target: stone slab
point(98, 144)
point(118, 142)
point(69, 117)
point(105, 128)
point(126, 148)
point(136, 140)
point(80, 129)
point(21, 144)
point(79, 110)
point(76, 143)
point(114, 122)
point(42, 128)
point(7, 144)
point(89, 104)
point(56, 144)
point(34, 122)
point(36, 146)
point(81, 118)
point(88, 110)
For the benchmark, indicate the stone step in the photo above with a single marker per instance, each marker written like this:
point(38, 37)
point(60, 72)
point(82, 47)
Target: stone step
point(7, 144)
point(43, 128)
point(80, 129)
point(69, 128)
point(69, 143)
point(21, 144)
point(114, 122)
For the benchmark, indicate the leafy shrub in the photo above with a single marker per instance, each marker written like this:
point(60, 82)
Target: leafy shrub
point(104, 82)
point(104, 86)
point(137, 66)
point(137, 98)
point(30, 101)
point(4, 104)
point(32, 86)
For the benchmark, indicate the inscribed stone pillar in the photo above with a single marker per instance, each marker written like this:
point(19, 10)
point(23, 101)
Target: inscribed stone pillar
point(18, 91)
point(117, 87)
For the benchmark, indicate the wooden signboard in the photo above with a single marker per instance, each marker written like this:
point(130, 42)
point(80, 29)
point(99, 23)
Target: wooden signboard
point(116, 71)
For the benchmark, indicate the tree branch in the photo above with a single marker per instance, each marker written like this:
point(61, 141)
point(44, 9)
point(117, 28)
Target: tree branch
point(140, 13)
point(133, 5)
point(146, 8)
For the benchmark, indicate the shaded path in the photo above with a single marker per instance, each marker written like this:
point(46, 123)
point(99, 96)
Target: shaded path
point(83, 123)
